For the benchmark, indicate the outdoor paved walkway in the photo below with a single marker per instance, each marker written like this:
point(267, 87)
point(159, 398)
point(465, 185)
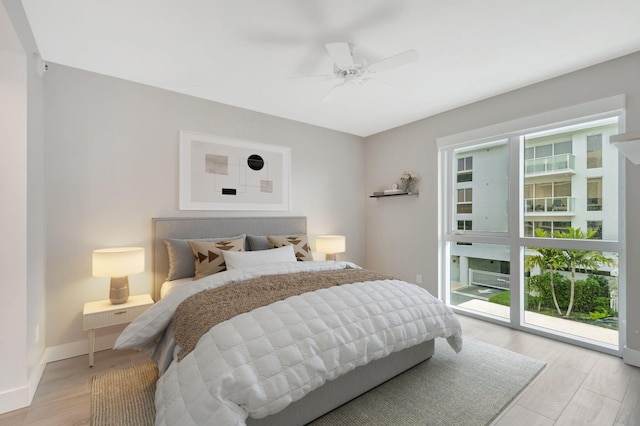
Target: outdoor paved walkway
point(575, 328)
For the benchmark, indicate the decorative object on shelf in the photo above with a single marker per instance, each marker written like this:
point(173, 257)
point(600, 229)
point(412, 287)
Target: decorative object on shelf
point(394, 190)
point(381, 194)
point(409, 181)
point(628, 144)
point(331, 244)
point(118, 263)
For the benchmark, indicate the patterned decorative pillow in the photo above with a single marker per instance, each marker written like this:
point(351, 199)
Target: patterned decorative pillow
point(299, 242)
point(181, 260)
point(209, 258)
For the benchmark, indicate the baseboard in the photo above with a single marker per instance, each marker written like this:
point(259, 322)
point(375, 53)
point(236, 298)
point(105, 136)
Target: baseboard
point(81, 347)
point(631, 356)
point(22, 397)
point(36, 376)
point(14, 399)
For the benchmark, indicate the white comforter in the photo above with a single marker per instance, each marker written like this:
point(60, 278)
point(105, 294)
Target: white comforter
point(259, 362)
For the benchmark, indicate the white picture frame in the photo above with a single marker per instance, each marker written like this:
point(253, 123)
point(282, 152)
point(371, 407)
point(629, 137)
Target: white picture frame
point(219, 173)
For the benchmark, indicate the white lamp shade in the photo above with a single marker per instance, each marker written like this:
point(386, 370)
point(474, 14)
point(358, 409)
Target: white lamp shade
point(118, 262)
point(331, 244)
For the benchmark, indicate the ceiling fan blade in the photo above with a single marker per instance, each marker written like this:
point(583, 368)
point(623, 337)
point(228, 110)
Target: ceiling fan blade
point(334, 93)
point(310, 76)
point(341, 54)
point(394, 61)
point(381, 84)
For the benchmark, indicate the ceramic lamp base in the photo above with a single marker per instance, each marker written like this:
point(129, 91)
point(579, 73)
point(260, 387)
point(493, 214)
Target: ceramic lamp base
point(119, 290)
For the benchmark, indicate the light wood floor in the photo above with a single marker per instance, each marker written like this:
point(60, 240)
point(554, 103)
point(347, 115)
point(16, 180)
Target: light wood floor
point(577, 386)
point(64, 394)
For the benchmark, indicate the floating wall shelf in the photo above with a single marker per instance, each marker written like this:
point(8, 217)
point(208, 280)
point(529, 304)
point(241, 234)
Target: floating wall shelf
point(628, 144)
point(393, 195)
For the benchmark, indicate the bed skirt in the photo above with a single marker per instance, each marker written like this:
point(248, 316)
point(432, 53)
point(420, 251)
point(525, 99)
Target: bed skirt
point(345, 388)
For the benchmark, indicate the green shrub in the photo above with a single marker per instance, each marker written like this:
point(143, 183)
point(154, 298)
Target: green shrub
point(592, 295)
point(542, 285)
point(531, 302)
point(604, 284)
point(598, 315)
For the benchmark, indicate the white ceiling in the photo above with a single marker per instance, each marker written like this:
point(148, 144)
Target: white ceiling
point(239, 52)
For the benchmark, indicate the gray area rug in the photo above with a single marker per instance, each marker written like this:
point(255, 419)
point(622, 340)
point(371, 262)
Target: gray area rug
point(466, 389)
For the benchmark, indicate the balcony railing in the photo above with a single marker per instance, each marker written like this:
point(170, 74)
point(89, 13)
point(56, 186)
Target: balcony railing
point(489, 279)
point(554, 164)
point(550, 205)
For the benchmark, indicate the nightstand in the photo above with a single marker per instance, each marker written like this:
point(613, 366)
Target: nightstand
point(103, 314)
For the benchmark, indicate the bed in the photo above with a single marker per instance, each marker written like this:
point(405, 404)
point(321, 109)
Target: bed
point(289, 383)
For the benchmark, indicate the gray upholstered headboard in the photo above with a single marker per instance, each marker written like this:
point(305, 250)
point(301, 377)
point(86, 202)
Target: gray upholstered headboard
point(212, 227)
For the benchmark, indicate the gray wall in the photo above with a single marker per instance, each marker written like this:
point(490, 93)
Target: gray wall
point(111, 164)
point(402, 232)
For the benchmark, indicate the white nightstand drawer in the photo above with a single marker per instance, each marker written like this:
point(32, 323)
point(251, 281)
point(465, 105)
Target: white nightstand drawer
point(104, 319)
point(103, 313)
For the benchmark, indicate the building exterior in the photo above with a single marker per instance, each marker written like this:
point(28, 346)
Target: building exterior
point(570, 179)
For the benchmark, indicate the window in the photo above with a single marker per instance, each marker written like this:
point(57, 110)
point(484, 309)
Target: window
point(562, 148)
point(594, 151)
point(543, 151)
point(595, 225)
point(548, 226)
point(528, 228)
point(594, 194)
point(503, 268)
point(465, 198)
point(465, 167)
point(464, 225)
point(560, 226)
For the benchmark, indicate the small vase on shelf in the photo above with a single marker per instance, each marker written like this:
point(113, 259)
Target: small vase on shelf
point(408, 181)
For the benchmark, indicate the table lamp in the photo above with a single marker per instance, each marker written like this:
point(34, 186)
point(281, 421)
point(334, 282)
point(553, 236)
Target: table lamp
point(331, 244)
point(118, 263)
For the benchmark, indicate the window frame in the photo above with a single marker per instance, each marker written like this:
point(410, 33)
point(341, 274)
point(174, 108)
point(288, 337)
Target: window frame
point(514, 238)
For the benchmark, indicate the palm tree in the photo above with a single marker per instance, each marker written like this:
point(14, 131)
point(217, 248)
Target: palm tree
point(574, 259)
point(548, 259)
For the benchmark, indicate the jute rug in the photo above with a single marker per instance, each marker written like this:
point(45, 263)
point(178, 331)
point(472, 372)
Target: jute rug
point(124, 397)
point(465, 389)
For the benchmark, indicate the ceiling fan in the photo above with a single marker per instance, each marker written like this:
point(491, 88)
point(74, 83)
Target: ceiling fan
point(353, 69)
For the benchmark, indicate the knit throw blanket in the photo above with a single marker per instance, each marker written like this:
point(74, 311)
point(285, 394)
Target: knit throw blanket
point(197, 314)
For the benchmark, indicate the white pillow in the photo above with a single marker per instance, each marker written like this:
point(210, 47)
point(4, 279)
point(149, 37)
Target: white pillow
point(243, 259)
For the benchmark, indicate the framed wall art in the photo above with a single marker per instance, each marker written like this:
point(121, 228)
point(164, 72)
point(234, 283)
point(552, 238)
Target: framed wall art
point(218, 173)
